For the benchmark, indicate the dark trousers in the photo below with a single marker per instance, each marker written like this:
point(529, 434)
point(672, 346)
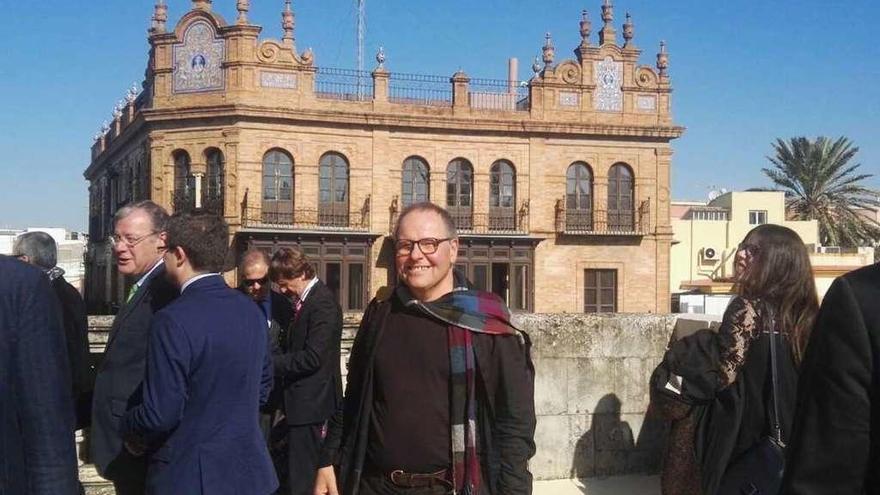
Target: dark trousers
point(304, 445)
point(381, 485)
point(128, 474)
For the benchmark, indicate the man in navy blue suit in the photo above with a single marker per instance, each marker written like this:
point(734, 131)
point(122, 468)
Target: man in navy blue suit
point(37, 454)
point(207, 374)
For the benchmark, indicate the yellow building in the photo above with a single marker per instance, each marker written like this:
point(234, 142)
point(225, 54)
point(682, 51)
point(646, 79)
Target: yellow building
point(706, 236)
point(559, 186)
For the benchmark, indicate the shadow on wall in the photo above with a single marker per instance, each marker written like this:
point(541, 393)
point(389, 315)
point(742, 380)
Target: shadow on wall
point(608, 448)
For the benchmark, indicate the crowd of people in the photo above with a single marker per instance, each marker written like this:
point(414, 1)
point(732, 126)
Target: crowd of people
point(208, 389)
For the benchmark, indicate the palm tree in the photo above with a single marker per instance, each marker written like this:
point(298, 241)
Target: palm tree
point(820, 184)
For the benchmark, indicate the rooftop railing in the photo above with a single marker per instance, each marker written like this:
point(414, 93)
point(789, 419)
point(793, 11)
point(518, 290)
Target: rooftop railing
point(419, 89)
point(343, 84)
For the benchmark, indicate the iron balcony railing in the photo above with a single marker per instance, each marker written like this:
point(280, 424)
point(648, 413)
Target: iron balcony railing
point(419, 89)
point(284, 216)
point(603, 222)
point(508, 221)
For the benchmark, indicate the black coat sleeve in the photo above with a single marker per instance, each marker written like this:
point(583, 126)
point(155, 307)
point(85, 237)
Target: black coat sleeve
point(324, 324)
point(829, 447)
point(42, 376)
point(356, 368)
point(515, 414)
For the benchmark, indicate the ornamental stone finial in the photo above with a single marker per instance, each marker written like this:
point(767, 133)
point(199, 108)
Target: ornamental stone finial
point(160, 17)
point(117, 110)
point(662, 60)
point(585, 29)
point(549, 51)
point(628, 31)
point(132, 93)
point(202, 5)
point(105, 126)
point(287, 21)
point(380, 58)
point(607, 34)
point(536, 67)
point(243, 7)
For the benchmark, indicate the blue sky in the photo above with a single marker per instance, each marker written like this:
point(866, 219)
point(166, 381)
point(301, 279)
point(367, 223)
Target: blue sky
point(743, 73)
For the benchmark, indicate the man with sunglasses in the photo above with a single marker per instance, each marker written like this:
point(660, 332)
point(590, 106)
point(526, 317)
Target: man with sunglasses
point(253, 271)
point(440, 395)
point(138, 243)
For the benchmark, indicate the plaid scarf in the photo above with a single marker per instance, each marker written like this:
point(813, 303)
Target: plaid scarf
point(465, 311)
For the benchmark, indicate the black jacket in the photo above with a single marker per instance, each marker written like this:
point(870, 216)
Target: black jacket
point(76, 332)
point(37, 453)
point(118, 384)
point(835, 445)
point(309, 365)
point(505, 409)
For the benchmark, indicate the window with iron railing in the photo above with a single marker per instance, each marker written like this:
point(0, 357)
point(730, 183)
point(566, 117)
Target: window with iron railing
point(333, 191)
point(212, 197)
point(621, 210)
point(277, 204)
point(502, 196)
point(184, 183)
point(460, 192)
point(416, 180)
point(579, 198)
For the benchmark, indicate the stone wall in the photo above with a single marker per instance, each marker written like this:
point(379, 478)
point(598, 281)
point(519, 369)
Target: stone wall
point(591, 390)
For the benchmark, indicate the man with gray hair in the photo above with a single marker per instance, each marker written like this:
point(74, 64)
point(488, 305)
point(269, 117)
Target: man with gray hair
point(138, 243)
point(39, 249)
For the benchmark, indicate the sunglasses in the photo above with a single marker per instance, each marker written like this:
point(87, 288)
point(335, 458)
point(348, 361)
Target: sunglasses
point(252, 282)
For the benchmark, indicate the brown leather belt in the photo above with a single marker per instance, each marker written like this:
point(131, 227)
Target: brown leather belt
point(417, 480)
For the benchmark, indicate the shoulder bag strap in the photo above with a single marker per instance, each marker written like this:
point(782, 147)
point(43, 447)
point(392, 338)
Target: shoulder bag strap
point(777, 428)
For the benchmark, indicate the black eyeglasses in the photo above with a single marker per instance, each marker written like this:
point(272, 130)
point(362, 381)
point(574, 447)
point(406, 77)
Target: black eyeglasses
point(252, 282)
point(428, 245)
point(750, 249)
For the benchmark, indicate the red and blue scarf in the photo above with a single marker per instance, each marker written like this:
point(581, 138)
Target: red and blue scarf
point(465, 311)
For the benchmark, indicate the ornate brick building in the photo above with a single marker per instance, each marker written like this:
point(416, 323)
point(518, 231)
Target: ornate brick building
point(559, 185)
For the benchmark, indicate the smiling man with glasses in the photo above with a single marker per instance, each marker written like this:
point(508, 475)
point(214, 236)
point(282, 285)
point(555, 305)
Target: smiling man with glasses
point(440, 395)
point(138, 244)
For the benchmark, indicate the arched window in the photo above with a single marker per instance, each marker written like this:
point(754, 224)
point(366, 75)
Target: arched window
point(333, 191)
point(415, 181)
point(277, 187)
point(213, 188)
point(502, 196)
point(184, 184)
point(579, 197)
point(621, 213)
point(460, 192)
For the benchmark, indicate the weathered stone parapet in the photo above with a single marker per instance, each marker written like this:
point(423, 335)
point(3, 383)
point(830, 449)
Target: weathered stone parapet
point(591, 389)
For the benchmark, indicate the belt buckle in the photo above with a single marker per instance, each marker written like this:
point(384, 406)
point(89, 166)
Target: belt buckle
point(397, 478)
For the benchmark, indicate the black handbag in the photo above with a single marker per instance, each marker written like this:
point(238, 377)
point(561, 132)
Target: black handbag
point(759, 470)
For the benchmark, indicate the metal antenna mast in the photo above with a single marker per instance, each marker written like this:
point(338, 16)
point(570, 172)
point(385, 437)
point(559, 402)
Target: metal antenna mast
point(361, 33)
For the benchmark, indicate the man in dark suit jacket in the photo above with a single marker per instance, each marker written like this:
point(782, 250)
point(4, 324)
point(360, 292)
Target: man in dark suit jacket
point(310, 364)
point(138, 244)
point(208, 371)
point(835, 443)
point(40, 250)
point(37, 453)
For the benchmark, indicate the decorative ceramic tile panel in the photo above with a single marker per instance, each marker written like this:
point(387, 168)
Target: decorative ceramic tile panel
point(280, 80)
point(198, 60)
point(569, 99)
point(609, 79)
point(646, 103)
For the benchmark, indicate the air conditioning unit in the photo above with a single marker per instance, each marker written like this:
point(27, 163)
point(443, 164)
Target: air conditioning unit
point(710, 253)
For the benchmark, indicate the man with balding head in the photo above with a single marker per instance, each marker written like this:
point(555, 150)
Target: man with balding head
point(138, 245)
